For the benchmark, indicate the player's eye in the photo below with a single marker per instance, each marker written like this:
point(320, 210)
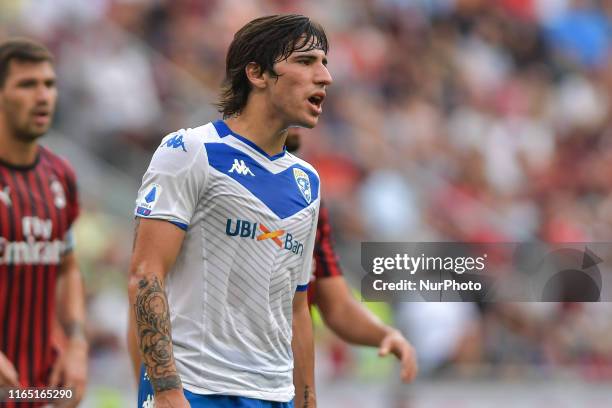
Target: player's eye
point(26, 84)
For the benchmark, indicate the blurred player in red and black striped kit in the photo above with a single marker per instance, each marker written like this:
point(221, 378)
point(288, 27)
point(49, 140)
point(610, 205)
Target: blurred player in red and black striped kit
point(38, 205)
point(347, 318)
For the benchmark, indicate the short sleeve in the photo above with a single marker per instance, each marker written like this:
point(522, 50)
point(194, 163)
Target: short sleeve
point(72, 195)
point(171, 186)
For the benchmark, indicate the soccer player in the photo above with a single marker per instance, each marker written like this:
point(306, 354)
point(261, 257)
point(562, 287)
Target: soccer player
point(225, 232)
point(347, 318)
point(38, 206)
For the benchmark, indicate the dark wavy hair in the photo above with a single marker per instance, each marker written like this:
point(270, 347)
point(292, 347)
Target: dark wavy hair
point(21, 49)
point(265, 41)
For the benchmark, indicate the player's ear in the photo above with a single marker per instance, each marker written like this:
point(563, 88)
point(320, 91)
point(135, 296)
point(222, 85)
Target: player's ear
point(255, 75)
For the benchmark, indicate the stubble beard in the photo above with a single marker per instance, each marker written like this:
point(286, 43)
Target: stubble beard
point(27, 136)
point(28, 133)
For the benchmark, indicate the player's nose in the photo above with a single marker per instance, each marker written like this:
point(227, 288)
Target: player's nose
point(43, 95)
point(323, 77)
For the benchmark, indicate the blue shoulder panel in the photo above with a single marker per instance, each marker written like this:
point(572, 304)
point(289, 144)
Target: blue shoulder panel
point(285, 193)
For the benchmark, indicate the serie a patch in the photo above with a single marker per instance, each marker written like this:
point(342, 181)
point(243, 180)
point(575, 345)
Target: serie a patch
point(149, 197)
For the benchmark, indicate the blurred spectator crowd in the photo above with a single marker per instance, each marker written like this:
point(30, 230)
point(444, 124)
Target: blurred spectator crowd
point(448, 120)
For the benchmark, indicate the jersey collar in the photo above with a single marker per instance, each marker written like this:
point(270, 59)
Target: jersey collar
point(224, 130)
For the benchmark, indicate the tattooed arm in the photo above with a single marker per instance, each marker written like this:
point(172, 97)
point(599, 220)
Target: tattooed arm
point(303, 353)
point(156, 246)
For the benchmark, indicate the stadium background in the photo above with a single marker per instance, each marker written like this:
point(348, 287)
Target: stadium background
point(447, 120)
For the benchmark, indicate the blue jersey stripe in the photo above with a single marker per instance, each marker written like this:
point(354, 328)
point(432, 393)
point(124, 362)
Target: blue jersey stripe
point(181, 225)
point(280, 192)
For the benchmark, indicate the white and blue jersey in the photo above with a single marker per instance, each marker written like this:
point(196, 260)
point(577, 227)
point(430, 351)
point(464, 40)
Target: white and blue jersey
point(250, 222)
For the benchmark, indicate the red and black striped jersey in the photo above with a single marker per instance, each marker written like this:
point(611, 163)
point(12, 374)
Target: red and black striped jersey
point(325, 258)
point(38, 205)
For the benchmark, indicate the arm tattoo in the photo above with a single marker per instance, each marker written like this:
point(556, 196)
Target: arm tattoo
point(306, 395)
point(153, 325)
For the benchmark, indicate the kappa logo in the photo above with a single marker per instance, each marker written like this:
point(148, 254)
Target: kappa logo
point(303, 182)
point(241, 168)
point(175, 142)
point(5, 196)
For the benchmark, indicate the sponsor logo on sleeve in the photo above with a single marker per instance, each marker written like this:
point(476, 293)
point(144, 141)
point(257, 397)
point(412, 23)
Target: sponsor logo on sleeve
point(149, 198)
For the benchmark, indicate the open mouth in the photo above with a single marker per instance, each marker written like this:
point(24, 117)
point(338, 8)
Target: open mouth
point(317, 101)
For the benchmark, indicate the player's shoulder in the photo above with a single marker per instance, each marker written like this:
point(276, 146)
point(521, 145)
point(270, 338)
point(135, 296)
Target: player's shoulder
point(180, 149)
point(56, 164)
point(188, 140)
